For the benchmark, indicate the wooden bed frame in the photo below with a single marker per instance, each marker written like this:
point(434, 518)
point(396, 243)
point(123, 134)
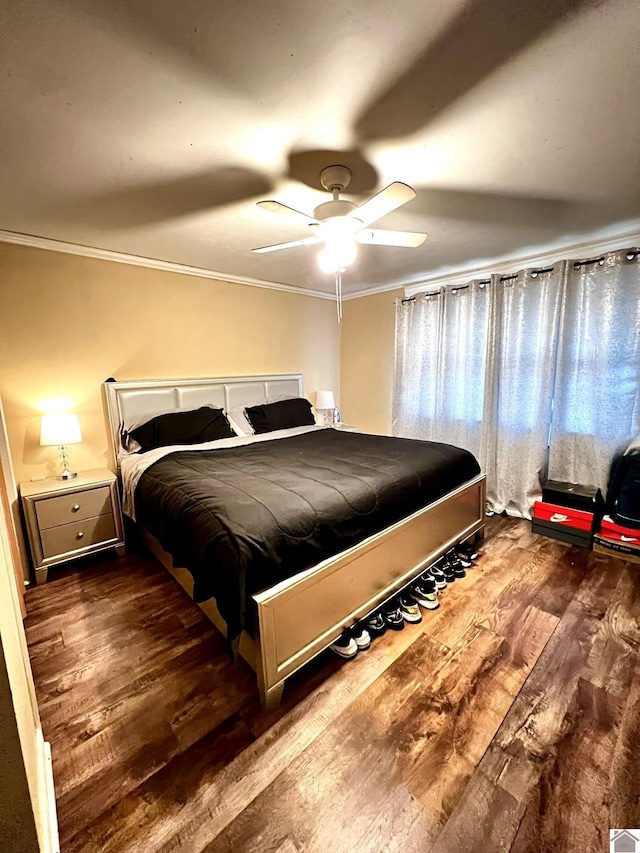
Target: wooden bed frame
point(304, 614)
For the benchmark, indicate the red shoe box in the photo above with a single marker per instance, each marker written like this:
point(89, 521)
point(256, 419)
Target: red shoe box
point(565, 523)
point(617, 541)
point(576, 519)
point(612, 530)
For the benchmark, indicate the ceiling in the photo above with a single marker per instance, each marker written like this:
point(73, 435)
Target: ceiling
point(152, 127)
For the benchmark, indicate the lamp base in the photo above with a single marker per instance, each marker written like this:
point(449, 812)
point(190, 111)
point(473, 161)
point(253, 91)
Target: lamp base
point(67, 475)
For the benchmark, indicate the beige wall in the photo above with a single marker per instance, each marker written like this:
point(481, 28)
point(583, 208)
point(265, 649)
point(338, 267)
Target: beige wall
point(367, 353)
point(67, 323)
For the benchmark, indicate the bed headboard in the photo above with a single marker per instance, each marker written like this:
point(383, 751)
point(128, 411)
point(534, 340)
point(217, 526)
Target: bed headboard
point(139, 397)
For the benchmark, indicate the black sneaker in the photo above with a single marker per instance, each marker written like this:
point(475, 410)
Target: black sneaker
point(375, 625)
point(460, 555)
point(392, 616)
point(469, 549)
point(427, 583)
point(361, 636)
point(449, 573)
point(436, 574)
point(425, 598)
point(345, 645)
point(409, 609)
point(456, 565)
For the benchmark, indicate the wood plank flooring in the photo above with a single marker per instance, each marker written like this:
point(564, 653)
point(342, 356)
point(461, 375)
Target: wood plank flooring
point(508, 720)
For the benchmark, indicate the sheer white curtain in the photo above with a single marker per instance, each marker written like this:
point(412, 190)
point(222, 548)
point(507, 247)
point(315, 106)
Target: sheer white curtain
point(596, 407)
point(441, 345)
point(415, 386)
point(463, 355)
point(519, 386)
point(474, 368)
point(537, 369)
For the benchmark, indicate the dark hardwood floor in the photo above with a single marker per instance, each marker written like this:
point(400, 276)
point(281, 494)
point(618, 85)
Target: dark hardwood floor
point(508, 720)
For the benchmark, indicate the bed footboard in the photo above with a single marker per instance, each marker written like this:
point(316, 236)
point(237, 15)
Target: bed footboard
point(304, 614)
point(301, 616)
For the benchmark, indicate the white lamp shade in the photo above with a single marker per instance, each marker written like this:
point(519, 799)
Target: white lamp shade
point(324, 400)
point(58, 430)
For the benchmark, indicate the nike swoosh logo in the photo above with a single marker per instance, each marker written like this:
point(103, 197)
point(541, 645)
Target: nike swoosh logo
point(629, 538)
point(557, 516)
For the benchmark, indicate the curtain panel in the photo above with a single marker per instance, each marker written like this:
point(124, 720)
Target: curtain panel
point(439, 394)
point(596, 404)
point(519, 386)
point(536, 373)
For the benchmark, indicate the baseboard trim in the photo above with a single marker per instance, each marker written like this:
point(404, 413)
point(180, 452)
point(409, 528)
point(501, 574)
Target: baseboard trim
point(48, 817)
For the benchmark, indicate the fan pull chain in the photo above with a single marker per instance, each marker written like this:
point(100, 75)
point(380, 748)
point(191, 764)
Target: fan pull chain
point(339, 295)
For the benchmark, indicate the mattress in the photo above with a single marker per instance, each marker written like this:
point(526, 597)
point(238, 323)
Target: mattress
point(242, 518)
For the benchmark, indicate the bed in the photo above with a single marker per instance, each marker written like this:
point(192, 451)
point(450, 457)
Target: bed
point(281, 608)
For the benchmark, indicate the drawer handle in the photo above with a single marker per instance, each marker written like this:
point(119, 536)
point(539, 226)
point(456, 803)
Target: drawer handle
point(80, 535)
point(75, 508)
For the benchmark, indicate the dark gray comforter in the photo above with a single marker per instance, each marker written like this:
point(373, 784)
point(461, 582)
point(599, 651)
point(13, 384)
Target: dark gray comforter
point(244, 518)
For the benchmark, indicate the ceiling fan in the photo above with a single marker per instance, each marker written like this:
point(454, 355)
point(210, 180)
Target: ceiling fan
point(340, 224)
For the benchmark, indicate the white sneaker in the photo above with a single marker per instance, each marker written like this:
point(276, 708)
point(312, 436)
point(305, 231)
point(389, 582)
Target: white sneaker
point(409, 609)
point(345, 645)
point(361, 636)
point(424, 597)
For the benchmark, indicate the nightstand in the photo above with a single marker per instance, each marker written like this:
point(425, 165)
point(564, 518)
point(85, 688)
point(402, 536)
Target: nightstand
point(70, 518)
point(345, 427)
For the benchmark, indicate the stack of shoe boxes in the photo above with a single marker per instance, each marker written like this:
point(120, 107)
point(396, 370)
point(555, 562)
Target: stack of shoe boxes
point(568, 512)
point(618, 541)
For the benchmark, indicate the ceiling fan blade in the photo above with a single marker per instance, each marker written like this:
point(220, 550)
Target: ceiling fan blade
point(283, 209)
point(384, 202)
point(307, 241)
point(379, 237)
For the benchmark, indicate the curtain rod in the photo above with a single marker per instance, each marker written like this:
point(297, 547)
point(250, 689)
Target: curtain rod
point(426, 295)
point(598, 260)
point(534, 273)
point(631, 254)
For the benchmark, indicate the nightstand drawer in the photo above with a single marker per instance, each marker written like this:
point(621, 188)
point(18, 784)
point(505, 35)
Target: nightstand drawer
point(64, 509)
point(80, 534)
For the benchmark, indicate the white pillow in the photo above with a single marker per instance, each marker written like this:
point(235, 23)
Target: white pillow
point(238, 414)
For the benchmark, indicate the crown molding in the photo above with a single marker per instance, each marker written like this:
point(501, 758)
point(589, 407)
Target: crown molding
point(153, 263)
point(620, 236)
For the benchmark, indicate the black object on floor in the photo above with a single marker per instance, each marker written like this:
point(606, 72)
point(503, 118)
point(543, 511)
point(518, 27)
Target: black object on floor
point(393, 617)
point(426, 598)
point(409, 609)
point(375, 625)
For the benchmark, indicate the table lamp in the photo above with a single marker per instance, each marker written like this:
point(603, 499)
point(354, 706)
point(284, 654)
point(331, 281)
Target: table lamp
point(60, 430)
point(326, 404)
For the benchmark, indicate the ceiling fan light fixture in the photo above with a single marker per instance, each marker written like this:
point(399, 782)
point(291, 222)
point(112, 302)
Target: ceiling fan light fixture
point(339, 208)
point(339, 227)
point(342, 224)
point(338, 253)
